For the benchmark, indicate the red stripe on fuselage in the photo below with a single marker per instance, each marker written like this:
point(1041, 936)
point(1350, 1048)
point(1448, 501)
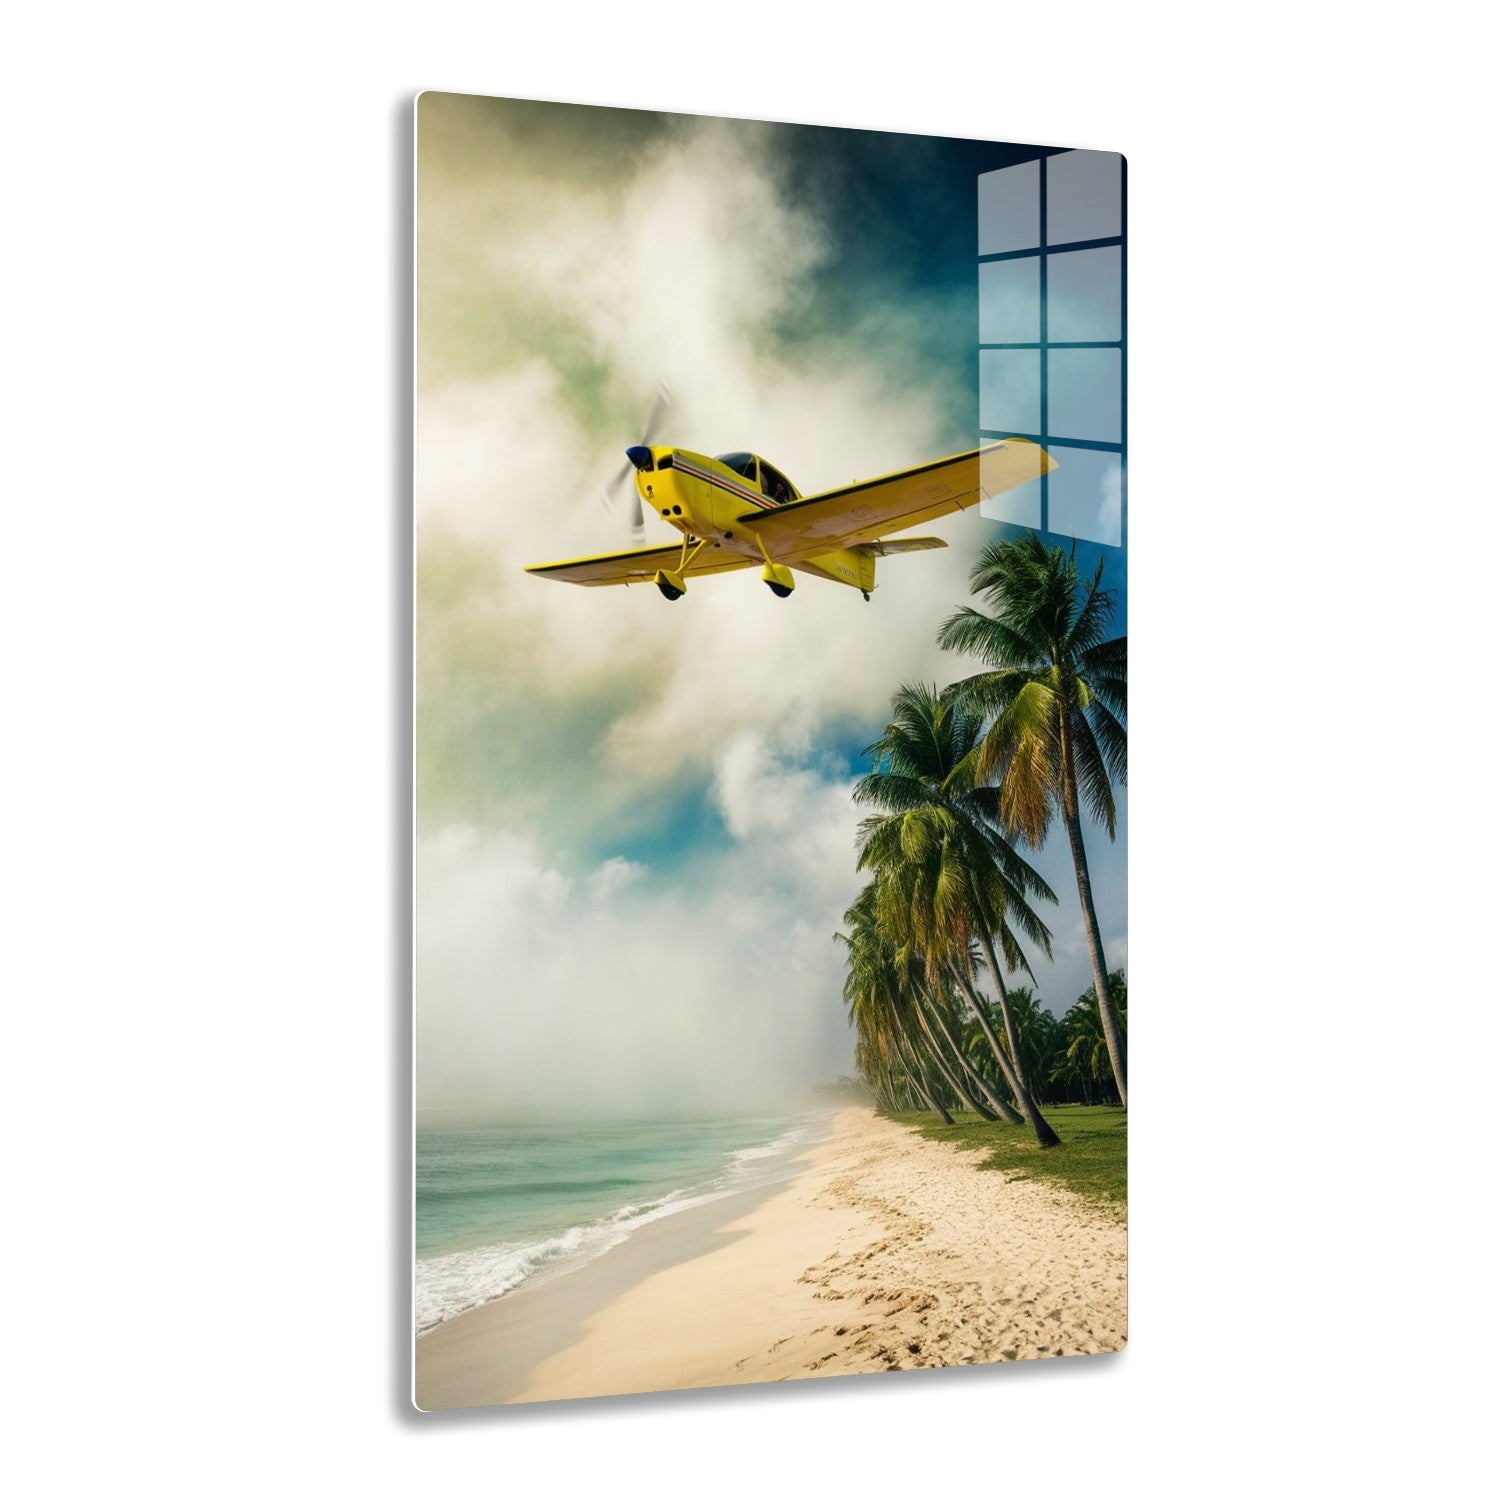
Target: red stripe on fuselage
point(753, 496)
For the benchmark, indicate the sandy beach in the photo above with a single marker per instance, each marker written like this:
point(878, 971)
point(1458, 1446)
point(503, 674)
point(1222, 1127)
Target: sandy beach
point(887, 1252)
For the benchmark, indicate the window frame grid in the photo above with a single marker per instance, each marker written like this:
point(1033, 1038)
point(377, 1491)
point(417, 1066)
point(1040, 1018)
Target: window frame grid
point(1042, 252)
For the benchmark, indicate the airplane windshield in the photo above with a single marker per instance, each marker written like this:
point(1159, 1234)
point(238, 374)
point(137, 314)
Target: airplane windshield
point(741, 463)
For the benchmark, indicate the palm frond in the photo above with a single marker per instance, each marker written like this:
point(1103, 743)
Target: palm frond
point(1110, 734)
point(1103, 667)
point(1093, 777)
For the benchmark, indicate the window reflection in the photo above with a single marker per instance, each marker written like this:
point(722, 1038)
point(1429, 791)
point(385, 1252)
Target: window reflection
point(1052, 336)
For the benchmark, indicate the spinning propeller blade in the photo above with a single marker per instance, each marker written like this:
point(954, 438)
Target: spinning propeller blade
point(611, 492)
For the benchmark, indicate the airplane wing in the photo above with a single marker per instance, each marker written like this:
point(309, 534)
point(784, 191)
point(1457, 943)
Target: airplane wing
point(636, 566)
point(865, 512)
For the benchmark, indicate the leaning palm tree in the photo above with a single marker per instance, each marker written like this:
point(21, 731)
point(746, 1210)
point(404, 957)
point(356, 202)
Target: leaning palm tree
point(971, 1076)
point(873, 993)
point(1053, 700)
point(944, 874)
point(1037, 1029)
point(895, 1011)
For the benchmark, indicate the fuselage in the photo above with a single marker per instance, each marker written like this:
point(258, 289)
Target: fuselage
point(705, 498)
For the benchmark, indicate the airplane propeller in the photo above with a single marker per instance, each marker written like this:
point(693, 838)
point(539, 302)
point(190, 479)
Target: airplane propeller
point(610, 495)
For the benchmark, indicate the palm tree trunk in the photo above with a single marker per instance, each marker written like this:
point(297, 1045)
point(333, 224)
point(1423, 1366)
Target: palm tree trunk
point(1003, 996)
point(1044, 1133)
point(997, 1104)
point(1109, 1017)
point(898, 1075)
point(957, 1080)
point(913, 1067)
point(937, 1058)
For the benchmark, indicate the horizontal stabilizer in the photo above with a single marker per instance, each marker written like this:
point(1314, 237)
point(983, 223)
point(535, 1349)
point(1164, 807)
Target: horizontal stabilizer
point(902, 544)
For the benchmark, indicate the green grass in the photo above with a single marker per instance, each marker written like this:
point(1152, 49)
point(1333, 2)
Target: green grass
point(1090, 1161)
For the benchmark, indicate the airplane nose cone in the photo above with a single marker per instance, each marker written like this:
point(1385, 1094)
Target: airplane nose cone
point(640, 457)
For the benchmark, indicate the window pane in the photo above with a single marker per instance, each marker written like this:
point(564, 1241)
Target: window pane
point(1010, 301)
point(1083, 495)
point(1083, 196)
point(1010, 390)
point(1083, 394)
point(1083, 295)
point(1010, 209)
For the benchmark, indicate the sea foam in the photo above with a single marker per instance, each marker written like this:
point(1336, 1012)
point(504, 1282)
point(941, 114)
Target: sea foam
point(446, 1285)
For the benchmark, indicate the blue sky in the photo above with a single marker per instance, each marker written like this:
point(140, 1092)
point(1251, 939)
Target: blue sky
point(635, 839)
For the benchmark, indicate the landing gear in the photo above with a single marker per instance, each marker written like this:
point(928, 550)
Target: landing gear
point(778, 579)
point(866, 593)
point(672, 585)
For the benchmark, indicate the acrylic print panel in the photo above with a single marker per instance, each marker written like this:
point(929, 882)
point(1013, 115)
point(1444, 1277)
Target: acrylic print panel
point(770, 752)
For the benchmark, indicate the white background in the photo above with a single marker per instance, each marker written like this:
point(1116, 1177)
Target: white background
point(204, 611)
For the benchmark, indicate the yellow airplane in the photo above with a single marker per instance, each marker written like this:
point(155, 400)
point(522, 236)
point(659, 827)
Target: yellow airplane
point(736, 510)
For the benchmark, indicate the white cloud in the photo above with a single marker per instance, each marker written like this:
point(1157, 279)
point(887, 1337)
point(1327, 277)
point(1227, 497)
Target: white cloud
point(709, 985)
point(794, 817)
point(612, 877)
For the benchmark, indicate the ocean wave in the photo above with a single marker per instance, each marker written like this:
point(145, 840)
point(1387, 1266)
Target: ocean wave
point(447, 1285)
point(744, 1160)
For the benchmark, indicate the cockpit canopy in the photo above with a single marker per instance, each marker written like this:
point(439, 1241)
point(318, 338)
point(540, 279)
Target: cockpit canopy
point(760, 473)
point(742, 464)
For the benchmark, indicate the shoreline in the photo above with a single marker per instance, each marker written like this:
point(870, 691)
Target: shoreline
point(884, 1251)
point(443, 1291)
point(484, 1356)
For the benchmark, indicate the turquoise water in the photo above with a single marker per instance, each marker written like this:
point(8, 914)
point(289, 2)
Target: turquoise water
point(498, 1202)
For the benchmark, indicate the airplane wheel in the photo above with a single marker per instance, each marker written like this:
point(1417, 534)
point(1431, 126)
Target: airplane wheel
point(668, 592)
point(779, 590)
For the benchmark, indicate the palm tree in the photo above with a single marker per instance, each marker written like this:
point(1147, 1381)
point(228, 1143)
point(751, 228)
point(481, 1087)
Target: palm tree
point(872, 992)
point(1082, 1061)
point(944, 873)
point(1086, 1054)
point(989, 1104)
point(1053, 700)
point(1038, 1032)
